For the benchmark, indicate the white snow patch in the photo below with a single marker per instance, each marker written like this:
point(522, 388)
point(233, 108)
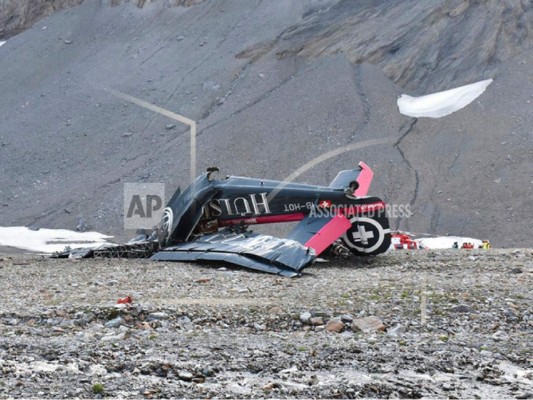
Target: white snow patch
point(446, 242)
point(48, 240)
point(514, 373)
point(97, 369)
point(44, 366)
point(440, 104)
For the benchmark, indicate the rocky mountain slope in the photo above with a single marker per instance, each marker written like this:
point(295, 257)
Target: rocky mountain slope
point(272, 85)
point(17, 16)
point(419, 45)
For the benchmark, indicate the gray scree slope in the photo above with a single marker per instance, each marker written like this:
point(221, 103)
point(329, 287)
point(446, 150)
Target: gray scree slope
point(272, 86)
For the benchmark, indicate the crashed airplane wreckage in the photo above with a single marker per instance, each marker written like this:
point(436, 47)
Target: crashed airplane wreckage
point(209, 222)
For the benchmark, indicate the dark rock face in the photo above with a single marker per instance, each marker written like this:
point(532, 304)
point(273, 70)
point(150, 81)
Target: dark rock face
point(420, 45)
point(272, 88)
point(18, 15)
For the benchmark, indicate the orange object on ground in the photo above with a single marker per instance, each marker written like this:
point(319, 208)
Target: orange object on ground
point(125, 300)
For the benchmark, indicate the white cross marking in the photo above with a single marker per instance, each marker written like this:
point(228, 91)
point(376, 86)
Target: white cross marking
point(362, 235)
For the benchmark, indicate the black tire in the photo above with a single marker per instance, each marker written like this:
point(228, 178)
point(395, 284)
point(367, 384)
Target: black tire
point(369, 235)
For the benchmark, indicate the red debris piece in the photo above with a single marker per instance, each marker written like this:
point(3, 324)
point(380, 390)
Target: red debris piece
point(125, 300)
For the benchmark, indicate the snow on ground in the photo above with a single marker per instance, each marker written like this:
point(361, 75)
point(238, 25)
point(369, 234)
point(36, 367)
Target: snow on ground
point(48, 240)
point(2, 43)
point(446, 242)
point(440, 104)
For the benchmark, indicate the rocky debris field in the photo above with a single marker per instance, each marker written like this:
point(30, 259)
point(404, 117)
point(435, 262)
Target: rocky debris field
point(449, 324)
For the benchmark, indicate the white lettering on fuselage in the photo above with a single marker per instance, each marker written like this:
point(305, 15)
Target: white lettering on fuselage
point(256, 204)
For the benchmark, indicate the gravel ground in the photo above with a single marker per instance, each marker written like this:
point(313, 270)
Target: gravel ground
point(447, 324)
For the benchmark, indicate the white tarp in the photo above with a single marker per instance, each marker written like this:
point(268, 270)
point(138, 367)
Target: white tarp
point(446, 242)
point(48, 240)
point(440, 104)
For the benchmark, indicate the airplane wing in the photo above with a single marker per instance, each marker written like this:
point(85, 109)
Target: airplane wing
point(259, 252)
point(251, 250)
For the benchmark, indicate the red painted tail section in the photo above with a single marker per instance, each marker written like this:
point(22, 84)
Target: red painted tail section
point(329, 233)
point(364, 179)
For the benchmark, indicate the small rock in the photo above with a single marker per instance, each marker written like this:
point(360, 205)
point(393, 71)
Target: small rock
point(290, 370)
point(67, 41)
point(398, 329)
point(305, 317)
point(516, 271)
point(500, 336)
point(510, 315)
point(144, 325)
point(486, 353)
point(318, 313)
point(368, 324)
point(87, 318)
point(259, 327)
point(170, 126)
point(157, 316)
point(114, 323)
point(261, 75)
point(346, 318)
point(185, 376)
point(335, 325)
point(271, 385)
point(462, 309)
point(127, 134)
point(114, 338)
point(180, 37)
point(316, 321)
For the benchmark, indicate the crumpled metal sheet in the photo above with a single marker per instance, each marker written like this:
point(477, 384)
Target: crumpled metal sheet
point(259, 252)
point(140, 249)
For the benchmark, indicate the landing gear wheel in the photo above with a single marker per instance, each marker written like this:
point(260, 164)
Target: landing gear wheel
point(368, 236)
point(165, 227)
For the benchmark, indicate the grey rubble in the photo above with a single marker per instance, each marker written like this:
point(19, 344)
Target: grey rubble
point(457, 324)
point(273, 85)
